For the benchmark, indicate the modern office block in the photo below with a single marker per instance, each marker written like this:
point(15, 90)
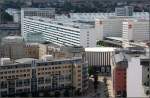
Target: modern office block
point(29, 76)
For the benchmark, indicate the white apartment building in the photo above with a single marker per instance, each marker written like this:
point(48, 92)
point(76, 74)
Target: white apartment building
point(109, 27)
point(61, 32)
point(100, 58)
point(135, 31)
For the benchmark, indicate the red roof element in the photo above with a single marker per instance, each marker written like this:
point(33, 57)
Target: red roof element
point(129, 26)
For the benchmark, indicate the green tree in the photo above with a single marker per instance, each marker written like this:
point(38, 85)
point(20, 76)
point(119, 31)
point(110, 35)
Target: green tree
point(5, 17)
point(95, 82)
point(101, 43)
point(105, 80)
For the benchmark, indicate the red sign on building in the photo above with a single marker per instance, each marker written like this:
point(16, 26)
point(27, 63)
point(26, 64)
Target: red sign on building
point(129, 26)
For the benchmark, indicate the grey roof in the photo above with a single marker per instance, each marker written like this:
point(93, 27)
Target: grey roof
point(25, 60)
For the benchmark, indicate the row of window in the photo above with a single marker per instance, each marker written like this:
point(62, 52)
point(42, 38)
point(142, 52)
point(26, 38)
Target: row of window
point(15, 66)
point(55, 79)
point(28, 22)
point(23, 66)
point(19, 83)
point(41, 80)
point(57, 67)
point(15, 76)
point(25, 90)
point(15, 71)
point(54, 72)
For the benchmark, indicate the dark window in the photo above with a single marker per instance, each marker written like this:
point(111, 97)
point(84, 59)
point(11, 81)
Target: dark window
point(19, 83)
point(41, 80)
point(3, 85)
point(147, 76)
point(48, 80)
point(3, 93)
point(26, 82)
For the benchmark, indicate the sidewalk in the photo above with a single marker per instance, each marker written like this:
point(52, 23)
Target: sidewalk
point(101, 91)
point(110, 88)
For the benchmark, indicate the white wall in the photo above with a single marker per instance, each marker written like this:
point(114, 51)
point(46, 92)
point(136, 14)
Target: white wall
point(135, 30)
point(134, 79)
point(88, 37)
point(108, 28)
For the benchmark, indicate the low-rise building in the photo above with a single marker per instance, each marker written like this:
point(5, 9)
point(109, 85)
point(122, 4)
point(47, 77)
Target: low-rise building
point(119, 75)
point(35, 50)
point(15, 47)
point(100, 59)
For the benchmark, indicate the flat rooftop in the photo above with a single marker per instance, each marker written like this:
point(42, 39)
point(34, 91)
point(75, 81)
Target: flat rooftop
point(38, 9)
point(115, 38)
point(29, 60)
point(100, 49)
point(25, 60)
point(13, 37)
point(68, 22)
point(93, 16)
